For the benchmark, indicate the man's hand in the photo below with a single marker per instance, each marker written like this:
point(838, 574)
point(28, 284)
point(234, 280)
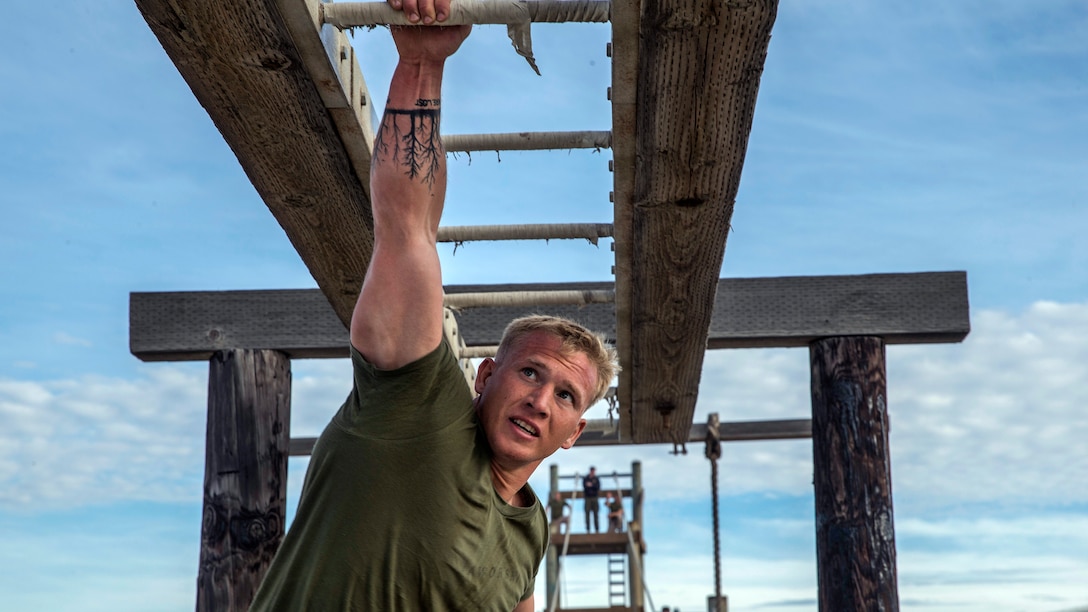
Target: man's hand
point(428, 44)
point(427, 11)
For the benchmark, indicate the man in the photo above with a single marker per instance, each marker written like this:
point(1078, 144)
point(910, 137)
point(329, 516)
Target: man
point(416, 496)
point(556, 508)
point(591, 488)
point(615, 513)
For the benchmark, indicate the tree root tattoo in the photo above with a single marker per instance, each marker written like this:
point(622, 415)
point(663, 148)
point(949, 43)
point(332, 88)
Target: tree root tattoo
point(417, 146)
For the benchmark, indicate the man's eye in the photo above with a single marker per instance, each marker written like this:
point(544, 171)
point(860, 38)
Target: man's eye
point(528, 372)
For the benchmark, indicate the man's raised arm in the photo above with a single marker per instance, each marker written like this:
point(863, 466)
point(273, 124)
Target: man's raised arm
point(398, 317)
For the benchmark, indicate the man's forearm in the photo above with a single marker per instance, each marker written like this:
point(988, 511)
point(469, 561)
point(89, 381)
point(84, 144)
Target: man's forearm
point(398, 317)
point(409, 164)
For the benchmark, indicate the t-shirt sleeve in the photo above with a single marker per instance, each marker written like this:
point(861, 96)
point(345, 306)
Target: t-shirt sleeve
point(423, 396)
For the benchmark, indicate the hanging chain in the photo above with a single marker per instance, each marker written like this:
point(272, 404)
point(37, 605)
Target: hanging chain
point(613, 405)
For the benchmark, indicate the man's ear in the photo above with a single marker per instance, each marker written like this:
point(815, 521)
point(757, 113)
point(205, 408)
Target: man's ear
point(569, 442)
point(487, 367)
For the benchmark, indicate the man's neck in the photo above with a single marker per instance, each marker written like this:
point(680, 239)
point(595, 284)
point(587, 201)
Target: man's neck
point(510, 485)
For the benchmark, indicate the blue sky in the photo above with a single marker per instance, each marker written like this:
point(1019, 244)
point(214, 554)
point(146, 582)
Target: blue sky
point(888, 137)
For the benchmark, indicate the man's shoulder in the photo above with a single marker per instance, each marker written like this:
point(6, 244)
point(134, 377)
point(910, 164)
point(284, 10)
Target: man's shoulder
point(425, 395)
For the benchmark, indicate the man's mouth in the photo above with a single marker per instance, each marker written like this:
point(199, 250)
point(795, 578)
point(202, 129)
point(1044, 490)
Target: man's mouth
point(529, 429)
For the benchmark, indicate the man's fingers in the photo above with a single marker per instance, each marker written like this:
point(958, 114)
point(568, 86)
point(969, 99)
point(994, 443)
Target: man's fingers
point(442, 9)
point(422, 11)
point(411, 9)
point(427, 11)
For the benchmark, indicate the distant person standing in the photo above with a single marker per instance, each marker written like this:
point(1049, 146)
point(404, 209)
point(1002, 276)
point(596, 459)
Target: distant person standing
point(591, 488)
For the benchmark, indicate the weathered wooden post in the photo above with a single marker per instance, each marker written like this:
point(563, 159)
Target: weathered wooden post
point(245, 475)
point(635, 526)
point(552, 569)
point(855, 535)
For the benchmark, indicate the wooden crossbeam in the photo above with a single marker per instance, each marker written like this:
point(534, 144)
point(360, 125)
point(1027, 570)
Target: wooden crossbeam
point(605, 432)
point(923, 307)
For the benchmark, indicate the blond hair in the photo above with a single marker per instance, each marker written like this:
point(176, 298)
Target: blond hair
point(574, 338)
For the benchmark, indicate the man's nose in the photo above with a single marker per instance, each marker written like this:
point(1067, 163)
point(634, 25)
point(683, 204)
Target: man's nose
point(540, 398)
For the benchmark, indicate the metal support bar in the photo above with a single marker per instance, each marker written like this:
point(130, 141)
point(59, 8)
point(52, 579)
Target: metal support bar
point(538, 231)
point(527, 141)
point(355, 14)
point(527, 298)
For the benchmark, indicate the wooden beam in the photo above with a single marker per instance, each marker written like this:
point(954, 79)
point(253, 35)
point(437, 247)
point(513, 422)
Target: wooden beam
point(576, 495)
point(924, 307)
point(332, 65)
point(255, 72)
point(624, 51)
point(699, 67)
point(594, 543)
point(602, 432)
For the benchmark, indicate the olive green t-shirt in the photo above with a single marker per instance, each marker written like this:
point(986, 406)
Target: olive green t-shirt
point(398, 511)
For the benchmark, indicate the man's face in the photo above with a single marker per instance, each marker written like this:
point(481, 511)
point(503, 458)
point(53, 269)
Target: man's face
point(531, 404)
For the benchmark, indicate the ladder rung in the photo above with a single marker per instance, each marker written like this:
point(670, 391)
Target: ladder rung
point(537, 231)
point(527, 141)
point(529, 298)
point(354, 14)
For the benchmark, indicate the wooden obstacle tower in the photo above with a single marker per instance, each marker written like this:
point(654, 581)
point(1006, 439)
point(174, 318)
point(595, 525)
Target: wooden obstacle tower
point(285, 89)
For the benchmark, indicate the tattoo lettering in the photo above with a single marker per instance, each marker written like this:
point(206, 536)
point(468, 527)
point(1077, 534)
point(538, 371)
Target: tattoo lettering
point(429, 102)
point(410, 138)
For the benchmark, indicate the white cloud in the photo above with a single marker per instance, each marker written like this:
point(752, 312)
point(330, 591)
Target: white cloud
point(98, 440)
point(999, 418)
point(1023, 580)
point(68, 339)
